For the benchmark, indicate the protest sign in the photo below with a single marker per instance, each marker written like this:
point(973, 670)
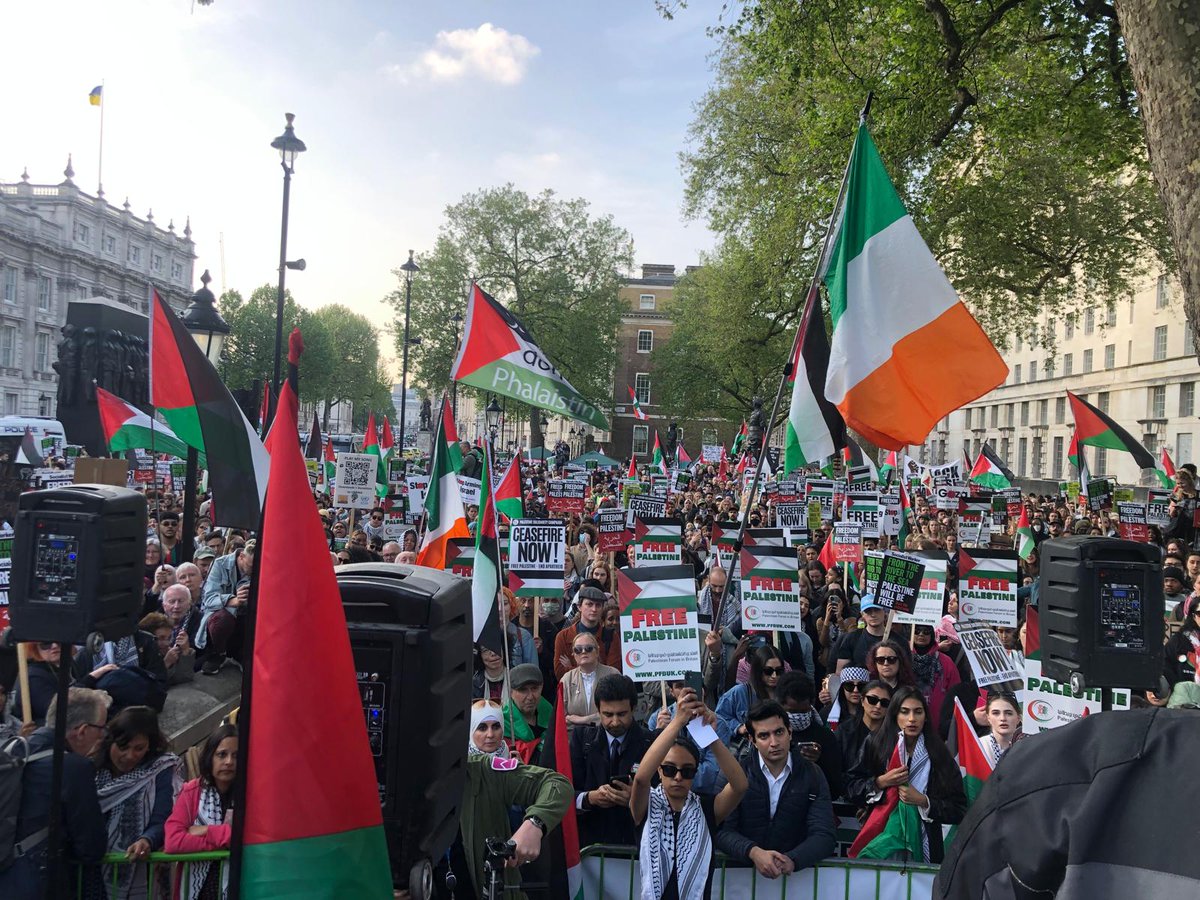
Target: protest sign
point(900, 580)
point(1123, 495)
point(847, 542)
point(460, 557)
point(417, 486)
point(397, 469)
point(710, 453)
point(975, 518)
point(52, 478)
point(950, 473)
point(680, 481)
point(1012, 501)
point(987, 586)
point(872, 566)
point(790, 491)
point(797, 537)
point(988, 659)
point(863, 507)
point(814, 515)
point(658, 485)
point(354, 477)
point(469, 489)
point(724, 536)
point(394, 526)
point(641, 506)
point(659, 541)
point(611, 530)
point(1047, 703)
point(791, 515)
point(1158, 505)
point(659, 622)
point(6, 548)
point(821, 489)
point(859, 477)
point(1133, 525)
point(946, 496)
point(565, 495)
point(166, 478)
point(764, 537)
point(1100, 494)
point(629, 488)
point(537, 549)
point(928, 610)
point(770, 592)
point(889, 512)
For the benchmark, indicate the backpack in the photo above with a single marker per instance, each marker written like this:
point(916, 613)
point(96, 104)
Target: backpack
point(14, 756)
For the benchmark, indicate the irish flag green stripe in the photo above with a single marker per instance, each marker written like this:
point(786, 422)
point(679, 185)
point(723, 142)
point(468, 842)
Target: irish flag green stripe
point(331, 865)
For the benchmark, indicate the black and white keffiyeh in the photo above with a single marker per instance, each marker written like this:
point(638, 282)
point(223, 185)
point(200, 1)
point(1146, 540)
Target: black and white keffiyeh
point(127, 802)
point(685, 848)
point(211, 811)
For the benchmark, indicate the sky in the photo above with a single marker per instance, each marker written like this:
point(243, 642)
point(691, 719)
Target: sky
point(405, 107)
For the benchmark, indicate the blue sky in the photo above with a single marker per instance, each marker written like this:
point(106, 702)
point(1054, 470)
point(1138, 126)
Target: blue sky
point(405, 106)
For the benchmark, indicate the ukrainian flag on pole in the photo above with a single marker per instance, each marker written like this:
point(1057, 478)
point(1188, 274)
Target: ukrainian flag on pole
point(94, 96)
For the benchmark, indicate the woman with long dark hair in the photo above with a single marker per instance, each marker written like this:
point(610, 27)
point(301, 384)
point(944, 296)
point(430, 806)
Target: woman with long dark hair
point(886, 662)
point(202, 818)
point(934, 671)
point(766, 666)
point(906, 771)
point(854, 732)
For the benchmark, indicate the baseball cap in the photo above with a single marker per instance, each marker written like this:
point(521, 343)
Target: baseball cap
point(868, 602)
point(204, 553)
point(525, 674)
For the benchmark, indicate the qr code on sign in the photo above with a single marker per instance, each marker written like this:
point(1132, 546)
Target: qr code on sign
point(357, 472)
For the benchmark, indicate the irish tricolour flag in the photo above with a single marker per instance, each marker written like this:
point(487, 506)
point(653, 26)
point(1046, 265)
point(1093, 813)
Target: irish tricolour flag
point(905, 351)
point(128, 428)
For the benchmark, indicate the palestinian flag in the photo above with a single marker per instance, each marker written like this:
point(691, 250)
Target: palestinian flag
point(1073, 454)
point(723, 468)
point(973, 763)
point(187, 391)
point(535, 584)
point(1095, 429)
point(853, 457)
point(990, 472)
point(1166, 474)
point(826, 555)
point(890, 303)
point(828, 469)
point(892, 827)
point(499, 354)
point(814, 427)
point(905, 516)
point(1079, 459)
point(128, 428)
point(386, 442)
point(681, 458)
point(568, 828)
point(658, 462)
point(637, 407)
point(312, 446)
point(309, 830)
point(330, 464)
point(371, 447)
point(656, 587)
point(485, 576)
point(450, 435)
point(28, 453)
point(508, 491)
point(632, 473)
point(738, 440)
point(888, 468)
point(444, 514)
point(1025, 542)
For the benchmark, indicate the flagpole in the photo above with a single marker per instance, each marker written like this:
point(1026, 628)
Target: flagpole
point(100, 167)
point(813, 296)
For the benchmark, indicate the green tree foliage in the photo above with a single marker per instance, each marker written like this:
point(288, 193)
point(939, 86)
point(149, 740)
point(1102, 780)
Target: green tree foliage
point(1010, 129)
point(550, 262)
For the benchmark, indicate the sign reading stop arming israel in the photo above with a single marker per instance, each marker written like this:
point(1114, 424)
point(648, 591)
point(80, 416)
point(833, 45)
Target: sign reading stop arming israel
point(659, 541)
point(659, 622)
point(770, 592)
point(987, 586)
point(536, 552)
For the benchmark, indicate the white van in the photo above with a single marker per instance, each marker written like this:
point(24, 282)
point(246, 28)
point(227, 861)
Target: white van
point(41, 426)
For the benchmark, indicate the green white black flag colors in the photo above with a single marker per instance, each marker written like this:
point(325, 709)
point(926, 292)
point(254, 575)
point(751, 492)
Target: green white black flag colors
point(659, 622)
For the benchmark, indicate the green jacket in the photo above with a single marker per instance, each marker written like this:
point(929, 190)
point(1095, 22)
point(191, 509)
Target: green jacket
point(492, 787)
point(517, 730)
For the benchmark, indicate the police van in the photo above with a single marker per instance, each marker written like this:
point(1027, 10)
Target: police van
point(40, 426)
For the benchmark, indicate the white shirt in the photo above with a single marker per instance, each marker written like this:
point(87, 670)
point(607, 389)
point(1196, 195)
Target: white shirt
point(775, 783)
point(589, 685)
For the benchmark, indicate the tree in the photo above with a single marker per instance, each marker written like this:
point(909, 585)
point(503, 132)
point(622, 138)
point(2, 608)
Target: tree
point(353, 374)
point(556, 267)
point(249, 354)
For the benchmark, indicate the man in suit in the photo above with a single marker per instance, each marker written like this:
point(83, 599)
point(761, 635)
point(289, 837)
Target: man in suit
point(603, 758)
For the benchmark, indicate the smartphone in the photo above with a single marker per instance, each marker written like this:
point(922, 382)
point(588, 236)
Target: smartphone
point(620, 780)
point(695, 681)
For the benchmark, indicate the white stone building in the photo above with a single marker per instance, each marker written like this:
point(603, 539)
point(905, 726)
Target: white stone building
point(59, 244)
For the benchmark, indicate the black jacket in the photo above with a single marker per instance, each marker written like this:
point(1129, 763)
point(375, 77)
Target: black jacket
point(1112, 816)
point(43, 687)
point(589, 765)
point(830, 760)
point(803, 825)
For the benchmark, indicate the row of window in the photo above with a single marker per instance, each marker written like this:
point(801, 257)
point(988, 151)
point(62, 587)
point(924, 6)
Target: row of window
point(133, 252)
point(1029, 462)
point(981, 417)
point(1162, 299)
point(1110, 357)
point(10, 353)
point(12, 405)
point(10, 288)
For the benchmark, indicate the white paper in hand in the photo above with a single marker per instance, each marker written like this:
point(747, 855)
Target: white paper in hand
point(702, 733)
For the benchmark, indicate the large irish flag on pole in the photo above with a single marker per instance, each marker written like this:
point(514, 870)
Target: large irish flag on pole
point(499, 355)
point(128, 428)
point(905, 350)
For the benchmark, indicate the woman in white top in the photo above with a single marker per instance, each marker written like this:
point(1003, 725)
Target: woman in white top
point(579, 684)
point(1004, 724)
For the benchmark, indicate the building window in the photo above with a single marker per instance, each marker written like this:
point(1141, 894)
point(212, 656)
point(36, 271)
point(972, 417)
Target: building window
point(641, 440)
point(1004, 445)
point(155, 262)
point(1068, 363)
point(1102, 401)
point(1101, 460)
point(135, 255)
point(82, 234)
point(996, 416)
point(1087, 361)
point(1187, 398)
point(1060, 410)
point(1033, 370)
point(1017, 374)
point(1111, 314)
point(43, 405)
point(646, 301)
point(1150, 441)
point(1056, 464)
point(1089, 320)
point(177, 271)
point(44, 289)
point(641, 387)
point(1020, 343)
point(1183, 448)
point(1037, 457)
point(1008, 418)
point(10, 284)
point(1161, 297)
point(8, 346)
point(968, 411)
point(41, 352)
point(1050, 364)
point(1024, 413)
point(1110, 356)
point(1158, 401)
point(1189, 341)
point(645, 341)
point(12, 404)
point(1043, 412)
point(1069, 328)
point(110, 244)
point(1022, 456)
point(1160, 343)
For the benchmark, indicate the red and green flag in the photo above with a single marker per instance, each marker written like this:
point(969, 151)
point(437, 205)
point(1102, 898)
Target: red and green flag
point(485, 577)
point(28, 453)
point(973, 763)
point(508, 491)
point(990, 472)
point(905, 516)
point(658, 461)
point(386, 442)
point(1025, 542)
point(568, 827)
point(892, 827)
point(638, 412)
point(1094, 428)
point(888, 468)
point(128, 428)
point(372, 448)
point(450, 435)
point(632, 473)
point(723, 468)
point(814, 428)
point(329, 466)
point(854, 457)
point(187, 392)
point(738, 440)
point(1166, 472)
point(310, 829)
point(444, 516)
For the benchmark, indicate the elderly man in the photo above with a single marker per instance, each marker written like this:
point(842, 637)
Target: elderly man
point(527, 714)
point(225, 595)
point(184, 617)
point(391, 552)
point(407, 558)
point(189, 575)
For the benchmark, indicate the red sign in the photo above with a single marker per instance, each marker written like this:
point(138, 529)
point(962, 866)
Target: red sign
point(613, 535)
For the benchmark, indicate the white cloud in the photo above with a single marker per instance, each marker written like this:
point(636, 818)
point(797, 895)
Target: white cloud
point(487, 52)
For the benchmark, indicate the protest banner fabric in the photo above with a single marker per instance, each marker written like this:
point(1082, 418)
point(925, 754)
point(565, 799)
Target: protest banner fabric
point(659, 622)
point(354, 480)
point(764, 537)
point(611, 530)
point(928, 610)
point(537, 548)
point(987, 586)
point(863, 507)
point(988, 659)
point(1047, 703)
point(950, 473)
point(659, 541)
point(770, 592)
point(1133, 525)
point(565, 495)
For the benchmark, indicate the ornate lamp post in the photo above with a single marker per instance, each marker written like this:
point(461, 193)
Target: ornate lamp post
point(289, 147)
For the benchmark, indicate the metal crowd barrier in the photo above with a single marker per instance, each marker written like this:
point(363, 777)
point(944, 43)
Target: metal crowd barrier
point(159, 874)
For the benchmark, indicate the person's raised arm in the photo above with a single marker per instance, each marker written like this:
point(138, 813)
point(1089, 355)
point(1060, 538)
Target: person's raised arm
point(735, 780)
point(639, 797)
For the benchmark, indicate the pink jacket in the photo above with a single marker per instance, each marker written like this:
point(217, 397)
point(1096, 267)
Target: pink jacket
point(181, 819)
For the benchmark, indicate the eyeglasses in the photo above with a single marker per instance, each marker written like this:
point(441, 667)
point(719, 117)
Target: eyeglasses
point(854, 687)
point(872, 700)
point(93, 725)
point(584, 648)
point(772, 670)
point(669, 770)
point(886, 660)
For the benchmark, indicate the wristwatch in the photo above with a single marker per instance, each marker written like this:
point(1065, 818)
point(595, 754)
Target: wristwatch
point(538, 822)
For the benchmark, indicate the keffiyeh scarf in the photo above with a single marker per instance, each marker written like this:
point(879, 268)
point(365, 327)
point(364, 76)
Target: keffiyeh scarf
point(918, 777)
point(123, 652)
point(209, 812)
point(127, 802)
point(684, 847)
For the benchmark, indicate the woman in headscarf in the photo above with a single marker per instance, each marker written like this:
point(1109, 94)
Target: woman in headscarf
point(934, 671)
point(136, 783)
point(487, 731)
point(202, 818)
point(848, 702)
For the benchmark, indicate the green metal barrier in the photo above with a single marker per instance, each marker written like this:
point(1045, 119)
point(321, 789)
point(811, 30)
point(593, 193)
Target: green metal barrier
point(159, 870)
point(609, 872)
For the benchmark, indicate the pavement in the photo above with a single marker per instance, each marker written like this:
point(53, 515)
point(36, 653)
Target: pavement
point(195, 708)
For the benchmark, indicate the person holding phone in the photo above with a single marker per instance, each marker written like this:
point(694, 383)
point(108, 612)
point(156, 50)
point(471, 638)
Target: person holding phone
point(709, 774)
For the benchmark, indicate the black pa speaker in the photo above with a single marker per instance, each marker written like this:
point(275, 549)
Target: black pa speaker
point(410, 633)
point(79, 555)
point(1100, 612)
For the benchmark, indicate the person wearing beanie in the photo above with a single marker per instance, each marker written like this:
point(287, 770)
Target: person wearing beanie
point(1176, 587)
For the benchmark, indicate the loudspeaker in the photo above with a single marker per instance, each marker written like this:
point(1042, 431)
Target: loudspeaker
point(410, 633)
point(79, 555)
point(1101, 612)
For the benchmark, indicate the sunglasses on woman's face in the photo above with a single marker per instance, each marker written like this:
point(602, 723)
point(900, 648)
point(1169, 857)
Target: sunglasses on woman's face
point(886, 660)
point(584, 648)
point(772, 670)
point(670, 770)
point(854, 687)
point(873, 700)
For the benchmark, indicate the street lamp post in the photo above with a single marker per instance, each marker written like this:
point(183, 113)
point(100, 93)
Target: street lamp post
point(289, 147)
point(209, 330)
point(409, 269)
point(457, 320)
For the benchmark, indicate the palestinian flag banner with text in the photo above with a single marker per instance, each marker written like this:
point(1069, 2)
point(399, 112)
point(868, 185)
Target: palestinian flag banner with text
point(990, 472)
point(187, 391)
point(460, 556)
point(769, 589)
point(987, 586)
point(1094, 428)
point(905, 350)
point(814, 428)
point(499, 355)
point(126, 427)
point(659, 622)
point(659, 541)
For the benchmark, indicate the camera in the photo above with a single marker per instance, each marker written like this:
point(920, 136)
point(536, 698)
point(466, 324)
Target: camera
point(498, 850)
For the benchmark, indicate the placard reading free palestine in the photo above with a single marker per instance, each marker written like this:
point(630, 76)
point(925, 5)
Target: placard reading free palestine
point(987, 586)
point(660, 635)
point(770, 592)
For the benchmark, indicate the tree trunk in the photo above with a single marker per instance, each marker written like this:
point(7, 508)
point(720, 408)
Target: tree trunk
point(325, 418)
point(1162, 38)
point(536, 438)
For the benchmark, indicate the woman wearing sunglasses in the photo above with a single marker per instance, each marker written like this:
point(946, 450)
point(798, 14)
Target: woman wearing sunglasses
point(887, 663)
point(766, 666)
point(676, 846)
point(853, 733)
point(579, 684)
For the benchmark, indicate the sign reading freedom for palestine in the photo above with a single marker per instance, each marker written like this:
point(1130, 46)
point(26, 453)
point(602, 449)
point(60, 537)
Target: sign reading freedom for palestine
point(659, 622)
